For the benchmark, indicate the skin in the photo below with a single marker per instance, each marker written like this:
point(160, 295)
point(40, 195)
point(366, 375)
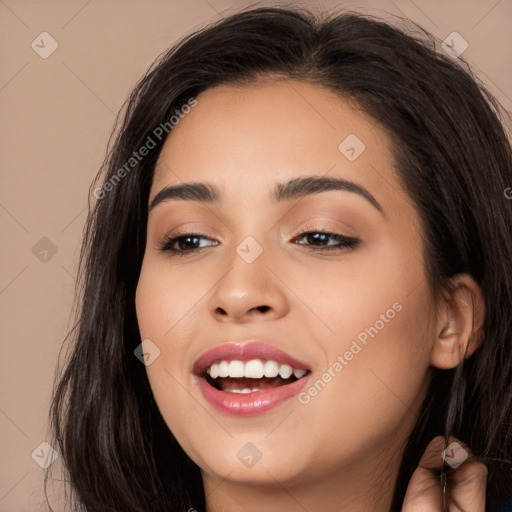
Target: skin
point(341, 450)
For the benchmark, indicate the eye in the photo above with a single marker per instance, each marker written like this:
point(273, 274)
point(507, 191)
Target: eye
point(322, 240)
point(317, 240)
point(184, 243)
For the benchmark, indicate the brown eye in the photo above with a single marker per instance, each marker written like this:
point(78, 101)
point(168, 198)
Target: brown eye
point(321, 240)
point(183, 243)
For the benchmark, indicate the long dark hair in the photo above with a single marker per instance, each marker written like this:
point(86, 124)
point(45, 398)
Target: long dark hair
point(454, 159)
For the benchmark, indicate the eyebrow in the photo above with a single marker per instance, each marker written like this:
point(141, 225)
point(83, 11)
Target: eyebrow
point(293, 189)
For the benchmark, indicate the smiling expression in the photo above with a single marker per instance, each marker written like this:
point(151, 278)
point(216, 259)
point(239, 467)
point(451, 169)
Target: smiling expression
point(270, 251)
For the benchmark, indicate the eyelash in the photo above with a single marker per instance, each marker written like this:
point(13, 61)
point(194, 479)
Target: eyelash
point(344, 242)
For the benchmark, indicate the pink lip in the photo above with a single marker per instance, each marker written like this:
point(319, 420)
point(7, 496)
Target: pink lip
point(246, 352)
point(250, 404)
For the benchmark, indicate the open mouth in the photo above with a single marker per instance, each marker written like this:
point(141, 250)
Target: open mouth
point(251, 376)
point(247, 379)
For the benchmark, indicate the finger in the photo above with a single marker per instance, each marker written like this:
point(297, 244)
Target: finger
point(466, 481)
point(424, 493)
point(467, 488)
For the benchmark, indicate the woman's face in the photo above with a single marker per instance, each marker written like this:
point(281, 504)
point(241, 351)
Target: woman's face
point(347, 313)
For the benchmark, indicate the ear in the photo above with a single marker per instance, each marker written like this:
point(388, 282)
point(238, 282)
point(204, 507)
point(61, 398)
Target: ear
point(459, 323)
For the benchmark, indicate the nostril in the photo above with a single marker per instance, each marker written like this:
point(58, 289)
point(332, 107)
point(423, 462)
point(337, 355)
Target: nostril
point(263, 309)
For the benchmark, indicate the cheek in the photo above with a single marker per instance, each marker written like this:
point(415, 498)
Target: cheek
point(377, 355)
point(165, 301)
point(368, 408)
point(377, 372)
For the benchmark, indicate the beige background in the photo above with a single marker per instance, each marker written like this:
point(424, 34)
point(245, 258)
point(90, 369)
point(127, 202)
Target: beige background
point(57, 114)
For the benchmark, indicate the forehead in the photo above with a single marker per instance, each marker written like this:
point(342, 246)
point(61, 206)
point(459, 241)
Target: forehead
point(245, 137)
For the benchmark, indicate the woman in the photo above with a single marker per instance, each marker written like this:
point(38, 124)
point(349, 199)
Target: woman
point(296, 284)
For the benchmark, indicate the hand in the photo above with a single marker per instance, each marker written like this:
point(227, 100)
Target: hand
point(465, 485)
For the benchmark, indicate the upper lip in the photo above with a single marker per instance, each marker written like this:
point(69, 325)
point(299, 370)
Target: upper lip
point(245, 351)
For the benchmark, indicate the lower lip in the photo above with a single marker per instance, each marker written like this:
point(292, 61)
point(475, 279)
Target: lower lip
point(249, 404)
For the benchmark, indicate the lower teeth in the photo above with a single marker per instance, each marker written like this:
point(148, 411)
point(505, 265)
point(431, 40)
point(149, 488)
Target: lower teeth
point(245, 390)
point(245, 385)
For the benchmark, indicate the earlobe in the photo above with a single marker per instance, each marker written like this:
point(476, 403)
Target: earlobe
point(459, 323)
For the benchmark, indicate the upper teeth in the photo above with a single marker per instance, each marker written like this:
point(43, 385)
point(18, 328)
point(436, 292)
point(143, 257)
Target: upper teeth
point(253, 369)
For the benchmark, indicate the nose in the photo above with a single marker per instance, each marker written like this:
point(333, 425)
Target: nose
point(249, 292)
